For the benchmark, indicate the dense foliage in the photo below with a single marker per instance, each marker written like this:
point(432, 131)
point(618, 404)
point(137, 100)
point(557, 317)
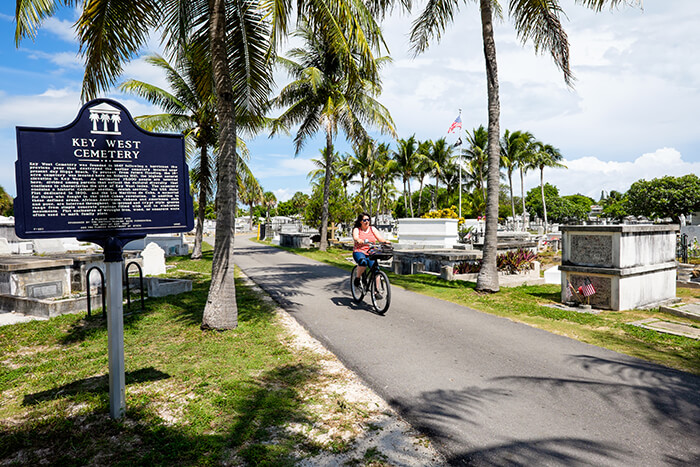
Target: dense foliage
point(295, 205)
point(340, 207)
point(664, 197)
point(6, 206)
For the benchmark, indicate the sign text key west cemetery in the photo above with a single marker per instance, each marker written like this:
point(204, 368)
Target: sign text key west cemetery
point(105, 180)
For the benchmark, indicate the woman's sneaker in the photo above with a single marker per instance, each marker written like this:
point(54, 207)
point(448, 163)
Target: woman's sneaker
point(357, 282)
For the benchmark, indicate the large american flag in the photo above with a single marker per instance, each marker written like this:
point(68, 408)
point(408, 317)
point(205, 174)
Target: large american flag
point(587, 288)
point(456, 124)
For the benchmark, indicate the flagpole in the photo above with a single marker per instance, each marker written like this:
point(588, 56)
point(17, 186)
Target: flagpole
point(459, 159)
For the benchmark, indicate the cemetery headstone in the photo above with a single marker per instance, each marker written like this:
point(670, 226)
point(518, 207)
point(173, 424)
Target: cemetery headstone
point(5, 247)
point(153, 260)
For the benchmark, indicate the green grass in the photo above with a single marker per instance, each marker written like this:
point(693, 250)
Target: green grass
point(529, 304)
point(193, 397)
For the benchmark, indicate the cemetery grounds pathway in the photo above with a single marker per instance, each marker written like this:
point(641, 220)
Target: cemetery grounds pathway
point(487, 390)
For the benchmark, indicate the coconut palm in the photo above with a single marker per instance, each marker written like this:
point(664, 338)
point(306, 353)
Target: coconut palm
point(269, 200)
point(407, 157)
point(250, 193)
point(441, 156)
point(385, 171)
point(236, 37)
point(328, 95)
point(515, 154)
point(535, 20)
point(546, 155)
point(423, 168)
point(477, 157)
point(191, 109)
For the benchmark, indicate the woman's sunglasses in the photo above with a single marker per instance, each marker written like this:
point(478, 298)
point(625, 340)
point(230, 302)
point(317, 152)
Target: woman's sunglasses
point(365, 220)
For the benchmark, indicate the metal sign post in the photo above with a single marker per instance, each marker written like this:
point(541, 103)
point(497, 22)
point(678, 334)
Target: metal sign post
point(115, 339)
point(105, 180)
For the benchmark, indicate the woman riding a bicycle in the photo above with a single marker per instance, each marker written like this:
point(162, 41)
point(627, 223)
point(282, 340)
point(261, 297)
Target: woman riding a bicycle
point(364, 233)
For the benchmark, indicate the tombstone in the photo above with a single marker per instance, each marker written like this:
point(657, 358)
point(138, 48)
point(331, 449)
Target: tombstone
point(629, 266)
point(5, 247)
point(153, 260)
point(552, 275)
point(48, 246)
point(35, 277)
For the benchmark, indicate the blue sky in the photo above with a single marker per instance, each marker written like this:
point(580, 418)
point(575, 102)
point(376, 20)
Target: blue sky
point(632, 114)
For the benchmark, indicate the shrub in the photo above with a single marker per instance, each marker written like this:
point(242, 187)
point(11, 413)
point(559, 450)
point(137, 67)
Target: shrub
point(515, 261)
point(511, 261)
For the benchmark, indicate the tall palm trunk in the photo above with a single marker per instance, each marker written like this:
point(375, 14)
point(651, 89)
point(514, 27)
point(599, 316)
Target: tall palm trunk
point(410, 197)
point(544, 203)
point(512, 201)
point(221, 310)
point(203, 188)
point(522, 195)
point(435, 193)
point(326, 190)
point(487, 280)
point(420, 197)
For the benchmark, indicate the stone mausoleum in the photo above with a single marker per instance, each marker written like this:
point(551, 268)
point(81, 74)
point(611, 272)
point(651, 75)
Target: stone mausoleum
point(630, 266)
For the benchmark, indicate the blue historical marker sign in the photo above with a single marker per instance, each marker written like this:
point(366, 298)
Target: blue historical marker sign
point(100, 177)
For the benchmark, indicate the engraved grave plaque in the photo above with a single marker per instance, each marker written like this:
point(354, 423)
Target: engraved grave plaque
point(591, 250)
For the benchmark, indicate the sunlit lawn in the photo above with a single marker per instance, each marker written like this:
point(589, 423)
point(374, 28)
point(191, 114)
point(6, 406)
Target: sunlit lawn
point(193, 397)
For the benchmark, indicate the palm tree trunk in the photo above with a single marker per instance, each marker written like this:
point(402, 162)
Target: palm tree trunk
point(512, 201)
point(544, 203)
point(435, 194)
point(487, 280)
point(410, 197)
point(221, 310)
point(420, 196)
point(201, 211)
point(405, 199)
point(323, 245)
point(522, 195)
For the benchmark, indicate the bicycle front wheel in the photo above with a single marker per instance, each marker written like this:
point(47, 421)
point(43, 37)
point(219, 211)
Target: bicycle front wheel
point(381, 292)
point(358, 292)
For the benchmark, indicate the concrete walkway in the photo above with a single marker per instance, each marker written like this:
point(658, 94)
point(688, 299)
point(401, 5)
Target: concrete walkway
point(487, 390)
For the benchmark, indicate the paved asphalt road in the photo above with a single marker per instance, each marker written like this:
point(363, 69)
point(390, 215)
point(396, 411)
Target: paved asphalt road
point(489, 391)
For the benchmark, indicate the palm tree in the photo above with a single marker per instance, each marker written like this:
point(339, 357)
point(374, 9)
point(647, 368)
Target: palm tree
point(235, 35)
point(514, 155)
point(441, 156)
point(250, 194)
point(546, 155)
point(362, 163)
point(269, 200)
point(384, 170)
point(423, 168)
point(326, 95)
point(407, 157)
point(477, 157)
point(190, 109)
point(534, 20)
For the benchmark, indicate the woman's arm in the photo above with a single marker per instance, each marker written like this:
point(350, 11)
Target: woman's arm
point(356, 235)
point(380, 239)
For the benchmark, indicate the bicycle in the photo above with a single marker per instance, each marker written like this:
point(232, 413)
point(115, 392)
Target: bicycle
point(375, 279)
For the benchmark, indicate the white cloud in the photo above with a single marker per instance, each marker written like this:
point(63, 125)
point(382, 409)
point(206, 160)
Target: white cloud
point(282, 166)
point(590, 175)
point(285, 194)
point(63, 29)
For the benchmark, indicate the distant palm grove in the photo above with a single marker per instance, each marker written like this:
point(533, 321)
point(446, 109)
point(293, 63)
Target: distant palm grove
point(221, 56)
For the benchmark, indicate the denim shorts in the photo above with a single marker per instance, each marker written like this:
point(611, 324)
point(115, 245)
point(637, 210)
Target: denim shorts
point(362, 259)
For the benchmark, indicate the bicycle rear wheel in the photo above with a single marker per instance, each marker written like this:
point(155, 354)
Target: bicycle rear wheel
point(358, 292)
point(380, 292)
